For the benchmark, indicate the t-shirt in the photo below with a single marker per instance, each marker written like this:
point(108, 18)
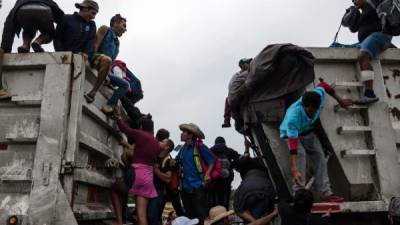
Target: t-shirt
point(147, 148)
point(291, 217)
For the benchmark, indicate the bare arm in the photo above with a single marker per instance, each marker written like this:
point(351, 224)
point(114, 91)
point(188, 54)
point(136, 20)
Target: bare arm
point(165, 177)
point(266, 219)
point(246, 215)
point(101, 33)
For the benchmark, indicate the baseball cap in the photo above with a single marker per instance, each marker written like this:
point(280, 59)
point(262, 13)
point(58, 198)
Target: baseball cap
point(87, 4)
point(244, 60)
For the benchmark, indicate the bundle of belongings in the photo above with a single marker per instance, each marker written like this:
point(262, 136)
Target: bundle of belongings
point(277, 76)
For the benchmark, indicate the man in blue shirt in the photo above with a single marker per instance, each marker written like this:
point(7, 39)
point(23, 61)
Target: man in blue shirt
point(297, 128)
point(194, 179)
point(77, 32)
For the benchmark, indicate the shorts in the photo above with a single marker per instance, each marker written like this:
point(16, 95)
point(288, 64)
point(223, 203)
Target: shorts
point(375, 43)
point(95, 62)
point(33, 17)
point(143, 185)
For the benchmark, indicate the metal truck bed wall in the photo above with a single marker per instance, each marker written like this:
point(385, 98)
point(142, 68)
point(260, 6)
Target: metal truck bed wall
point(364, 141)
point(53, 145)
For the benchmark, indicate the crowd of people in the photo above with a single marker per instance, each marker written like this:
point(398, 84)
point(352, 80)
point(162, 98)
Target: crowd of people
point(198, 180)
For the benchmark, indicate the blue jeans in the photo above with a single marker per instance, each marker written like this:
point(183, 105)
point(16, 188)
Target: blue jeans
point(123, 87)
point(374, 44)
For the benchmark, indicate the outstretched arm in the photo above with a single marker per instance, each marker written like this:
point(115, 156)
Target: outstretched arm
point(345, 103)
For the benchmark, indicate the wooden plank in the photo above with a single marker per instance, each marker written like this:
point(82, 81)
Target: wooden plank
point(91, 177)
point(38, 59)
point(95, 145)
point(50, 144)
point(74, 120)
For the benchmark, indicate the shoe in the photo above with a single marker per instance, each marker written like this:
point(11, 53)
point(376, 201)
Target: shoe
point(226, 125)
point(364, 100)
point(332, 198)
point(4, 94)
point(21, 49)
point(36, 47)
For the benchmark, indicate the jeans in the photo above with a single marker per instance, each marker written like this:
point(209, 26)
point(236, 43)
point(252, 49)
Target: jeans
point(155, 208)
point(195, 204)
point(219, 196)
point(374, 44)
point(311, 145)
point(123, 87)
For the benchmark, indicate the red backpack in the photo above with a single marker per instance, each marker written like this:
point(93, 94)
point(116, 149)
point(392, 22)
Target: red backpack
point(202, 167)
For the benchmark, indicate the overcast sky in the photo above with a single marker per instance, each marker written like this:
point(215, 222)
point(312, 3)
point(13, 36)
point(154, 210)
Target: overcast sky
point(185, 51)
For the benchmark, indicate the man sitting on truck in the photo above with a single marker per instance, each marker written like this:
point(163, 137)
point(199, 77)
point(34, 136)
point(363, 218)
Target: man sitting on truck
point(297, 128)
point(372, 42)
point(106, 51)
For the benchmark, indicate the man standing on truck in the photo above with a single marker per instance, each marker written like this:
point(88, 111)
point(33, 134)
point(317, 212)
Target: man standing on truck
point(244, 65)
point(372, 42)
point(106, 51)
point(77, 32)
point(29, 16)
point(297, 128)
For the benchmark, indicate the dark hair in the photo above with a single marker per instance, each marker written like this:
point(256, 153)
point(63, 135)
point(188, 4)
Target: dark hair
point(303, 201)
point(220, 140)
point(147, 123)
point(162, 134)
point(116, 19)
point(311, 99)
point(171, 145)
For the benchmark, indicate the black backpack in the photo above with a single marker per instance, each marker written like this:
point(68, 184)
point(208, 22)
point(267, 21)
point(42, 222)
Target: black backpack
point(389, 13)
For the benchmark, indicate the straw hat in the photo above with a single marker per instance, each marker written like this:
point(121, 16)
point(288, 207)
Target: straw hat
point(192, 128)
point(217, 213)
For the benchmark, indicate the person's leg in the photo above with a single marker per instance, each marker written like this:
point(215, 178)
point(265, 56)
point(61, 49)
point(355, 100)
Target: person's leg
point(45, 25)
point(226, 195)
point(176, 203)
point(117, 202)
point(104, 68)
point(372, 46)
point(123, 87)
point(188, 202)
point(200, 206)
point(142, 203)
point(155, 208)
point(133, 112)
point(316, 153)
point(227, 114)
point(301, 164)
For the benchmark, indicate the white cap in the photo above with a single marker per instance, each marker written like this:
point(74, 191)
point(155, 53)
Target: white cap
point(182, 220)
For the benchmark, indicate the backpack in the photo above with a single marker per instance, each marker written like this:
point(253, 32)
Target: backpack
point(202, 167)
point(389, 13)
point(225, 165)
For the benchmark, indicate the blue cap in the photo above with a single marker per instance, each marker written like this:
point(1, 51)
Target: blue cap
point(244, 61)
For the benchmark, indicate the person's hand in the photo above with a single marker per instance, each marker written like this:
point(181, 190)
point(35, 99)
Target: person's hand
point(117, 112)
point(207, 178)
point(275, 212)
point(85, 56)
point(297, 178)
point(345, 103)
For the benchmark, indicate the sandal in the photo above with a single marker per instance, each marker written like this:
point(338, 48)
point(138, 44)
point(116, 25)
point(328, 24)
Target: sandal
point(89, 99)
point(21, 49)
point(36, 47)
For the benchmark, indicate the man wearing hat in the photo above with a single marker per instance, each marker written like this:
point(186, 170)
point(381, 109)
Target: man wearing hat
point(244, 65)
point(218, 216)
point(193, 177)
point(77, 32)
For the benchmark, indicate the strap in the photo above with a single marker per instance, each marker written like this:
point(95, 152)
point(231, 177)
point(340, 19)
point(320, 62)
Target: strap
point(337, 33)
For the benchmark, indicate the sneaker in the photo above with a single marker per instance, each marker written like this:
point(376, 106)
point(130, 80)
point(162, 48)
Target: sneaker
point(364, 100)
point(332, 198)
point(4, 94)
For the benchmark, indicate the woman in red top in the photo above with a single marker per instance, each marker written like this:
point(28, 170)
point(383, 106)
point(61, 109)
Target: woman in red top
point(147, 149)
